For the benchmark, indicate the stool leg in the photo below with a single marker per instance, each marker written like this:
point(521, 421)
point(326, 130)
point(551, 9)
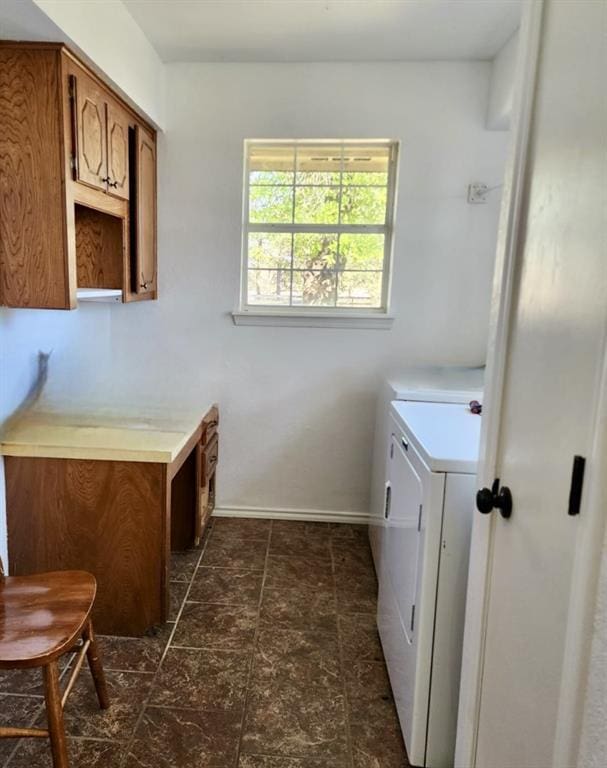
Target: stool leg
point(54, 715)
point(96, 666)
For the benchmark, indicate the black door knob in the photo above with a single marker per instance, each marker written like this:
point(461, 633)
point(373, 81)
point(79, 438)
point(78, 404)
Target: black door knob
point(504, 502)
point(484, 501)
point(488, 499)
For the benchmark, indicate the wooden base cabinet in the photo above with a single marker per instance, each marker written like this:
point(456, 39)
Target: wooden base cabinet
point(71, 151)
point(105, 517)
point(117, 519)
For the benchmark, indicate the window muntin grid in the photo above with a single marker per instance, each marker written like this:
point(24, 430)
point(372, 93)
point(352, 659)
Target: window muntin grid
point(309, 242)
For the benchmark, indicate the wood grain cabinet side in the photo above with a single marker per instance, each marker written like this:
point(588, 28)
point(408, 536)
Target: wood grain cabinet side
point(105, 517)
point(34, 260)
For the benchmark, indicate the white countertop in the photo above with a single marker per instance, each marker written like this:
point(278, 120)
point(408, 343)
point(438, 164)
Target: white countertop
point(445, 435)
point(101, 435)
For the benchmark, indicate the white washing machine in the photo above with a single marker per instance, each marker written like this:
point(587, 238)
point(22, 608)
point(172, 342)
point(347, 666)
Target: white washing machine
point(422, 549)
point(460, 386)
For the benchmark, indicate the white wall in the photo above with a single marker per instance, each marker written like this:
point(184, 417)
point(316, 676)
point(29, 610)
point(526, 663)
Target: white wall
point(109, 36)
point(78, 367)
point(501, 93)
point(298, 403)
point(106, 35)
point(102, 32)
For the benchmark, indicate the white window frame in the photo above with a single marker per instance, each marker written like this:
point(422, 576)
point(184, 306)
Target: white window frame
point(355, 317)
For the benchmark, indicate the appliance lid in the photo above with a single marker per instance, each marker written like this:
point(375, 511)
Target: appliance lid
point(433, 394)
point(446, 435)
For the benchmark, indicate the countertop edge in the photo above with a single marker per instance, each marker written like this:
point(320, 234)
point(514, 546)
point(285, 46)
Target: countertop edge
point(91, 454)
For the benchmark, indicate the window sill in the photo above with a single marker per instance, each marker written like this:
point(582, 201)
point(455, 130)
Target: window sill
point(379, 321)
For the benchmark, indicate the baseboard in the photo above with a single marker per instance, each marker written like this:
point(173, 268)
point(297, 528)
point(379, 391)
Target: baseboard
point(313, 515)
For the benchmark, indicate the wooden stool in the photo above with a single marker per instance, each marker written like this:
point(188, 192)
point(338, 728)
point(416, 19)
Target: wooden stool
point(42, 617)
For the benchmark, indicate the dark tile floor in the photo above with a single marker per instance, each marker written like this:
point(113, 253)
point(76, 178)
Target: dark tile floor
point(272, 661)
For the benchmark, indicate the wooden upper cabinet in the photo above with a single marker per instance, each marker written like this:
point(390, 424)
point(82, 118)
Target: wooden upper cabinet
point(145, 170)
point(89, 102)
point(77, 184)
point(117, 151)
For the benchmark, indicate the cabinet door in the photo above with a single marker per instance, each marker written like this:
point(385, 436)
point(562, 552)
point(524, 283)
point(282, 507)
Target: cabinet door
point(145, 241)
point(91, 134)
point(118, 151)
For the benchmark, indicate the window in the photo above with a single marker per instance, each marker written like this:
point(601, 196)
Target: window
point(318, 225)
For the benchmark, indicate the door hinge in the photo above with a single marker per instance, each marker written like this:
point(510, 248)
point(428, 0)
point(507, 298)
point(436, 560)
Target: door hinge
point(419, 518)
point(412, 616)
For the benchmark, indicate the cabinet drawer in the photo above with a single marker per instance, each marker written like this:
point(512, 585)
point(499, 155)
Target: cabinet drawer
point(210, 456)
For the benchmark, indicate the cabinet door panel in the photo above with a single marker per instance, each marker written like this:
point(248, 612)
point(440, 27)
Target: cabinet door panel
point(91, 133)
point(145, 168)
point(118, 151)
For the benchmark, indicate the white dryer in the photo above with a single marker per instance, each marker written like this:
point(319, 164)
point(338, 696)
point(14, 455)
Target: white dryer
point(423, 555)
point(445, 387)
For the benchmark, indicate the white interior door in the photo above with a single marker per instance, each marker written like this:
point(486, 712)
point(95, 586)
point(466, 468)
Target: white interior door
point(555, 350)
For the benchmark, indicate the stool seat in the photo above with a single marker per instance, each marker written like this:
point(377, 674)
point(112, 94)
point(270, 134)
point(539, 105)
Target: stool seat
point(42, 616)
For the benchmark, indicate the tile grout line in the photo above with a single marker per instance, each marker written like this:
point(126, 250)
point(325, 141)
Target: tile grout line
point(342, 663)
point(254, 648)
point(32, 722)
point(38, 696)
point(129, 742)
point(262, 574)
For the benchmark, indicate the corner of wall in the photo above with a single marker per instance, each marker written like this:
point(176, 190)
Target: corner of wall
point(111, 41)
point(501, 86)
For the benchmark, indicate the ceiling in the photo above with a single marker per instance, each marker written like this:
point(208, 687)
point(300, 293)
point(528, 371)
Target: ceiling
point(326, 30)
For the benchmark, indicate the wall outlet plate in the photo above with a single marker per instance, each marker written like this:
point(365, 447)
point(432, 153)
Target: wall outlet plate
point(477, 193)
